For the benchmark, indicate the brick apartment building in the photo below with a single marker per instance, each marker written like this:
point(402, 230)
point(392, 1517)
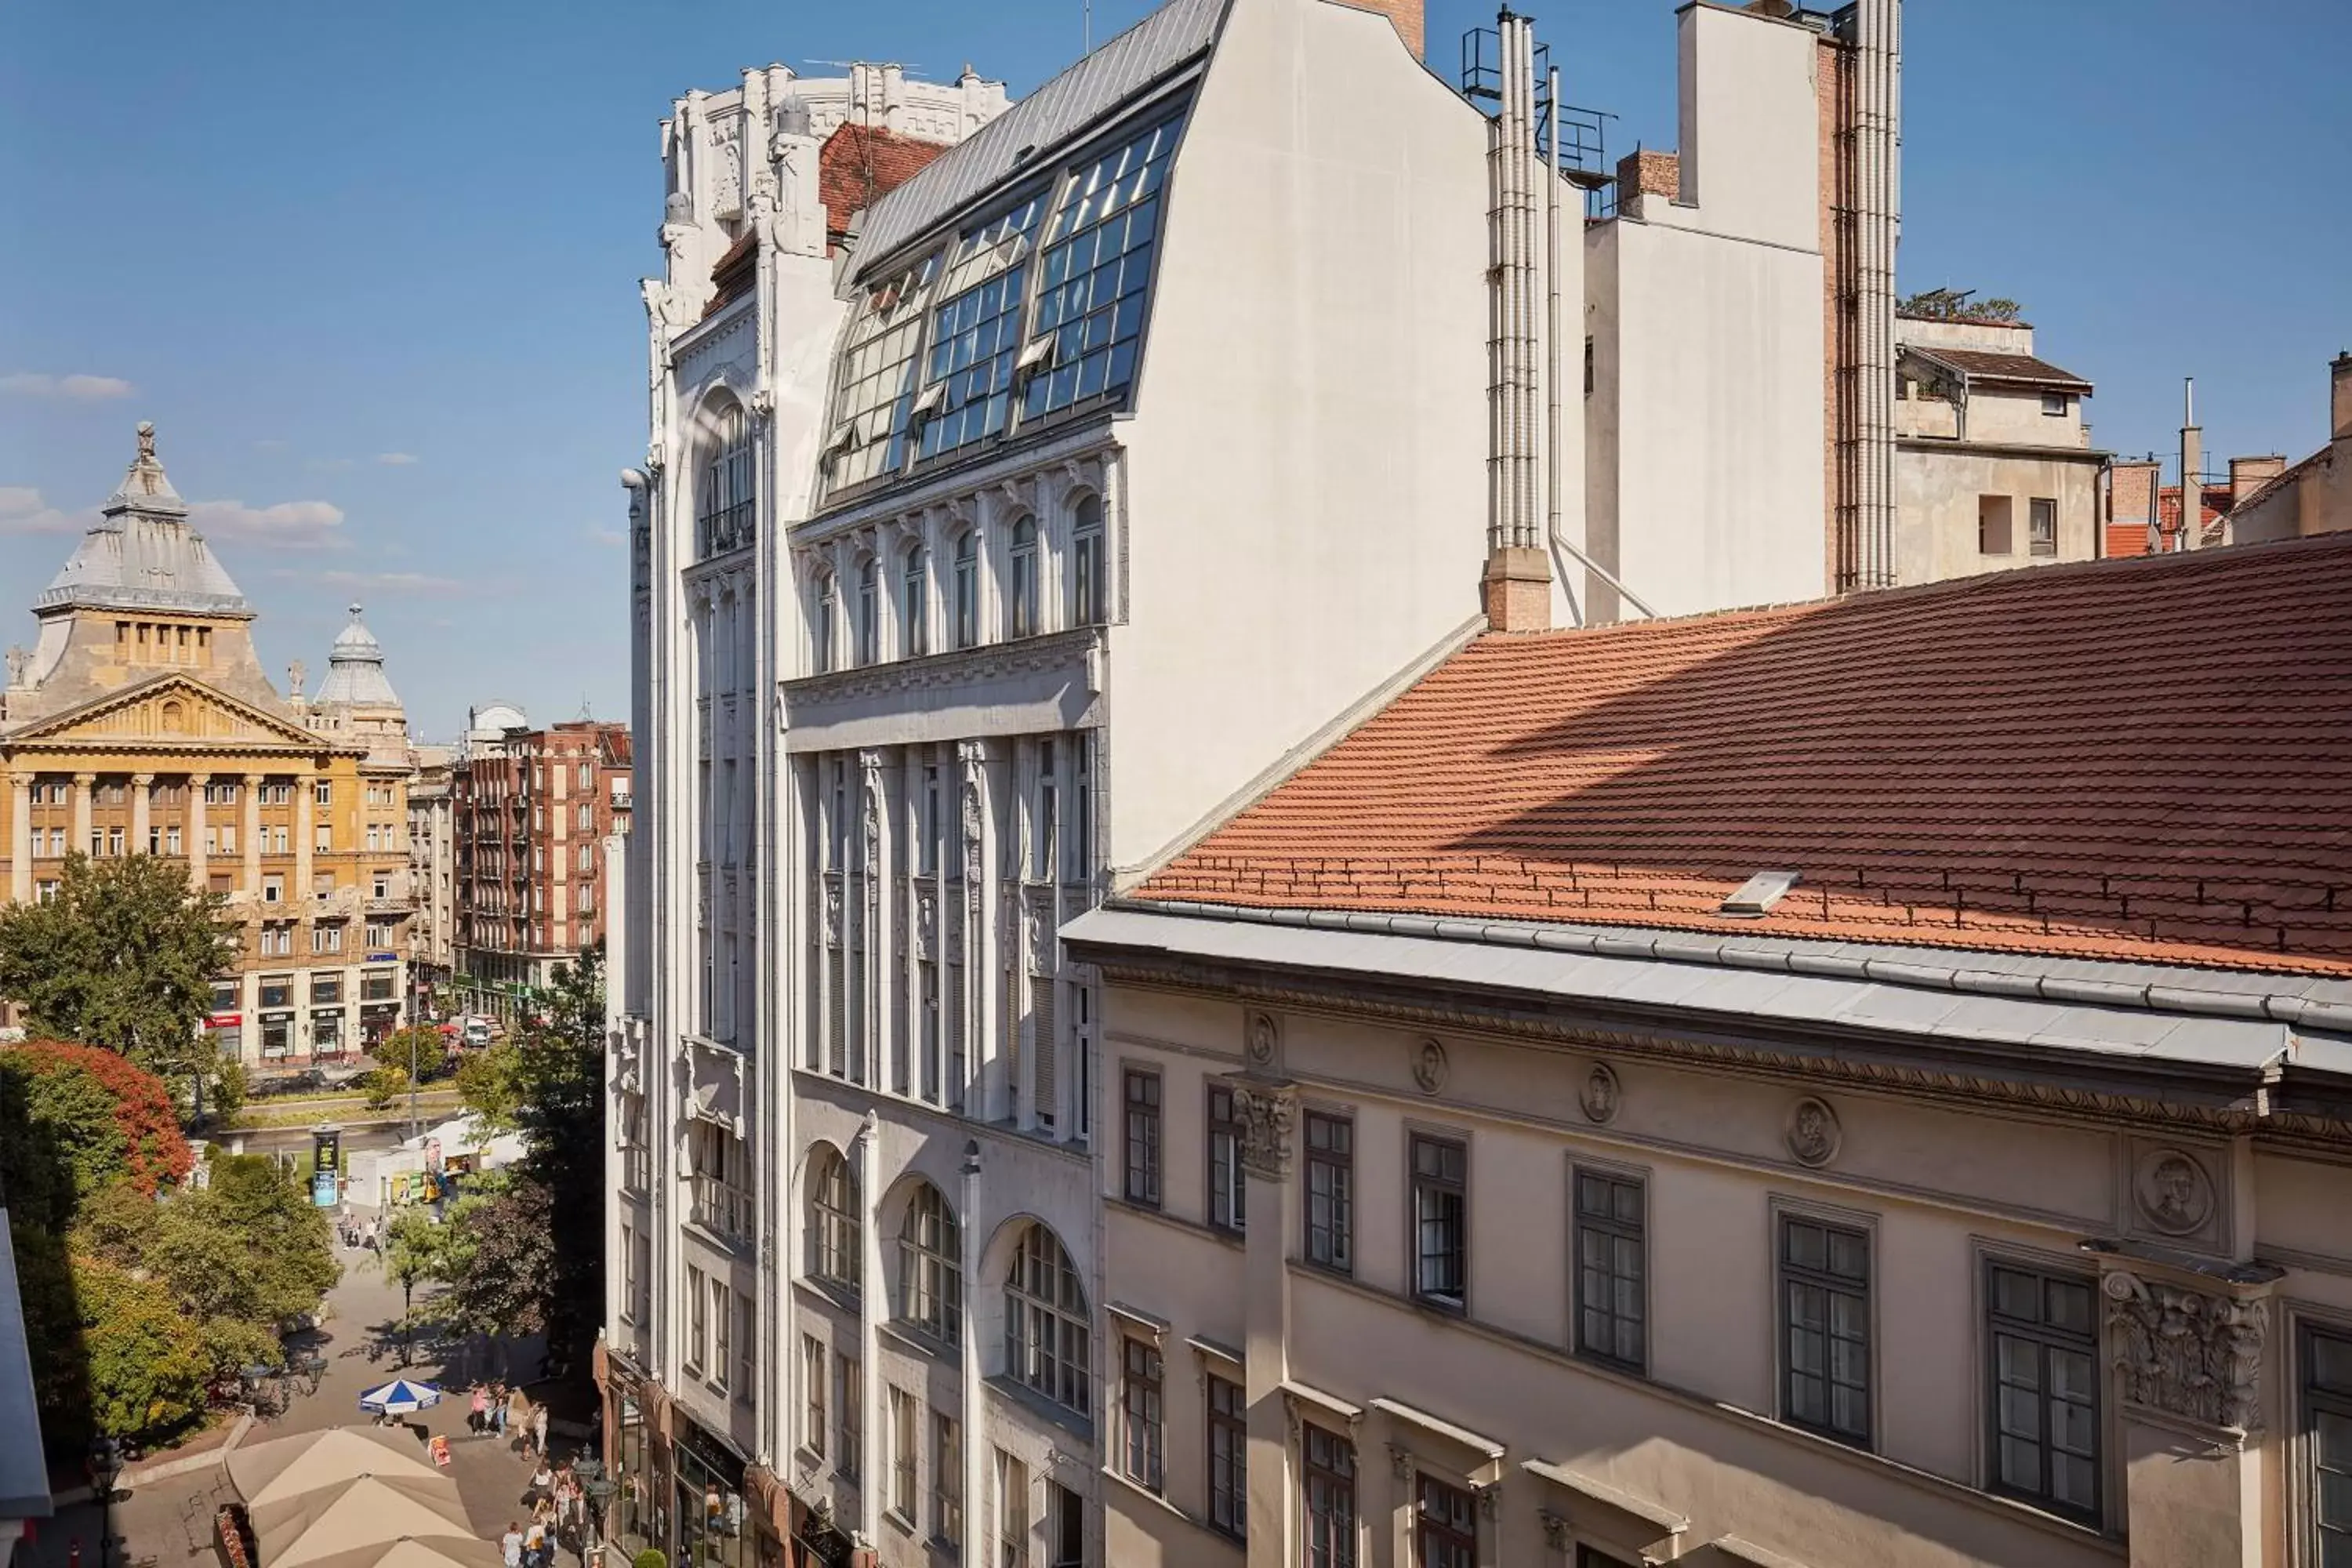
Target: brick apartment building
point(529, 811)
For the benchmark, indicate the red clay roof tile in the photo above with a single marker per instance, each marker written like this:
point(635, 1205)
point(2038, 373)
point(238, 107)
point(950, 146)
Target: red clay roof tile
point(858, 165)
point(2009, 762)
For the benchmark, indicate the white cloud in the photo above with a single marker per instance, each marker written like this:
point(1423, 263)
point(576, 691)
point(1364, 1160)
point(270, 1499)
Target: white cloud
point(289, 524)
point(65, 388)
point(372, 582)
point(22, 510)
point(397, 459)
point(611, 538)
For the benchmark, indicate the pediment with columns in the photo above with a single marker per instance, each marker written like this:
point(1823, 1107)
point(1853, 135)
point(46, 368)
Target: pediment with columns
point(170, 712)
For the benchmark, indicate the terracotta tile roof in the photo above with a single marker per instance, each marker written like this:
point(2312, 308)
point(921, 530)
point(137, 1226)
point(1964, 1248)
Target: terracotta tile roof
point(1984, 365)
point(734, 273)
point(2131, 537)
point(2008, 762)
point(857, 166)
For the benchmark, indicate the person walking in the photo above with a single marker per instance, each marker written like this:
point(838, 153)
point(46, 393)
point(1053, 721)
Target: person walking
point(510, 1545)
point(477, 1415)
point(535, 1545)
point(518, 1414)
point(538, 1430)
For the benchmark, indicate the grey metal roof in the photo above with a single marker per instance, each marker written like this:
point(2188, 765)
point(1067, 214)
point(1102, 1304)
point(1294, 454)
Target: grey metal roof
point(355, 676)
point(142, 556)
point(1089, 92)
point(2161, 1020)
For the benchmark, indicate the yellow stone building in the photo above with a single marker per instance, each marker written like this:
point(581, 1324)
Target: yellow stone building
point(141, 722)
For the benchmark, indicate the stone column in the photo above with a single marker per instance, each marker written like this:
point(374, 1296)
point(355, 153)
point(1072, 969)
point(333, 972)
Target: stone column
point(20, 838)
point(193, 824)
point(2188, 1356)
point(143, 800)
point(251, 808)
point(971, 1418)
point(1268, 1109)
point(873, 1303)
point(78, 843)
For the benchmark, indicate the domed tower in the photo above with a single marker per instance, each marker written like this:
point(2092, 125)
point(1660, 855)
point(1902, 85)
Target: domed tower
point(356, 700)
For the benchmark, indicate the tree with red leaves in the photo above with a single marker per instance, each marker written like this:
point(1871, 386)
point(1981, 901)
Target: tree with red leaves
point(81, 1118)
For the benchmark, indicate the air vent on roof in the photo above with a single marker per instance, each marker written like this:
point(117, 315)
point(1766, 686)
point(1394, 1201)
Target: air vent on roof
point(1025, 154)
point(1754, 897)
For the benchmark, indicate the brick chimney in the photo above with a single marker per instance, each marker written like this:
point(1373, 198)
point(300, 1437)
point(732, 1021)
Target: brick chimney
point(1647, 173)
point(2248, 475)
point(2339, 396)
point(1404, 14)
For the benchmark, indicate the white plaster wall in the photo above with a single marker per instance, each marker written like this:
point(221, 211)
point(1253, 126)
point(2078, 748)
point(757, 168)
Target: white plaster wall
point(1305, 464)
point(1936, 496)
point(1750, 126)
point(2017, 417)
point(1707, 369)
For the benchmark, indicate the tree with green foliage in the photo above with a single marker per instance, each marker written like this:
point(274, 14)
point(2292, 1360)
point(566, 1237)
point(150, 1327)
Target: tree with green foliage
point(249, 1246)
point(78, 1120)
point(562, 1115)
point(492, 1084)
point(382, 1084)
point(147, 1363)
point(124, 957)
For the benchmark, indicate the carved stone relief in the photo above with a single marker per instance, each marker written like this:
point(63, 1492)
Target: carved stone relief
point(1262, 1040)
point(1430, 1067)
point(1266, 1113)
point(927, 920)
point(2187, 1353)
point(833, 914)
point(1813, 1133)
point(1601, 1094)
point(2171, 1191)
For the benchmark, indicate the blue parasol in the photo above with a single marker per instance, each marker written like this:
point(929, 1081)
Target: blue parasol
point(400, 1396)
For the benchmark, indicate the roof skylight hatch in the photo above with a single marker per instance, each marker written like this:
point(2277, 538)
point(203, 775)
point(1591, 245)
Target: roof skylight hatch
point(1754, 899)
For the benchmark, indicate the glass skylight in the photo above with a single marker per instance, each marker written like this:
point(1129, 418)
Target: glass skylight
point(878, 377)
point(975, 331)
point(1097, 260)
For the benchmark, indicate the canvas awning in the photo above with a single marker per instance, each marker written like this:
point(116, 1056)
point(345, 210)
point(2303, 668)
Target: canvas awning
point(288, 1467)
point(418, 1551)
point(370, 1512)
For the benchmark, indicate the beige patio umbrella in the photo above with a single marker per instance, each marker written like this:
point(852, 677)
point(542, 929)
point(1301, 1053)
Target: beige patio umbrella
point(289, 1466)
point(368, 1511)
point(418, 1551)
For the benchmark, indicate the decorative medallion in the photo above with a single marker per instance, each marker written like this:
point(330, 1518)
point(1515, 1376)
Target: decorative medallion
point(2173, 1192)
point(1263, 1041)
point(1813, 1133)
point(1601, 1094)
point(1429, 1065)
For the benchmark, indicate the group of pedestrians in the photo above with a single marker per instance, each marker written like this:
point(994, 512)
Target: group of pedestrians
point(494, 1410)
point(559, 1516)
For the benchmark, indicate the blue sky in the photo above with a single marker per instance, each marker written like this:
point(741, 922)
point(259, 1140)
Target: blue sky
point(371, 269)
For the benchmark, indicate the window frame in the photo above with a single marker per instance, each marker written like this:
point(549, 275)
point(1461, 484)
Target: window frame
point(947, 1477)
point(1227, 1205)
point(1025, 554)
point(1336, 1478)
point(915, 601)
point(835, 1221)
point(1457, 1529)
point(1995, 1325)
point(865, 627)
point(1143, 1414)
point(1339, 1226)
point(1637, 1231)
point(963, 609)
point(1228, 1490)
point(1154, 1146)
point(2038, 507)
point(1066, 1366)
point(1089, 573)
point(1416, 1137)
point(1784, 1374)
point(930, 1265)
point(816, 1429)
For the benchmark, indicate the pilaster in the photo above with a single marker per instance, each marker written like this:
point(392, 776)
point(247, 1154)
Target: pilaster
point(299, 895)
point(79, 842)
point(193, 824)
point(971, 1420)
point(873, 1463)
point(20, 838)
point(249, 804)
point(142, 801)
point(1268, 1110)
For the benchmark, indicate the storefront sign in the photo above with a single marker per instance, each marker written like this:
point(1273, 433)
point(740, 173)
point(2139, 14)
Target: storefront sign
point(223, 1020)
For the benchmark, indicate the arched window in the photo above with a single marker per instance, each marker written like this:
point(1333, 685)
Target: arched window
point(1087, 578)
point(724, 508)
point(834, 1244)
point(869, 610)
point(914, 602)
point(967, 589)
point(1021, 592)
point(824, 633)
point(931, 1273)
point(1046, 1341)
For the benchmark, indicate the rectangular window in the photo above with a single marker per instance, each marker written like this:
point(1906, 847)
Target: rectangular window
point(1610, 1311)
point(2053, 404)
point(976, 333)
point(1011, 1512)
point(813, 1417)
point(1065, 1526)
point(947, 1479)
point(323, 793)
point(1142, 1137)
point(697, 1333)
point(1328, 1471)
point(1228, 1457)
point(1044, 851)
point(722, 1346)
point(2327, 1420)
point(1098, 263)
point(1825, 1329)
point(2042, 1331)
point(1331, 1189)
point(327, 939)
point(850, 1396)
point(1140, 1394)
point(877, 377)
point(903, 1437)
point(326, 986)
point(1445, 1526)
point(1993, 525)
point(1441, 1221)
point(2041, 526)
point(746, 1348)
point(1228, 1187)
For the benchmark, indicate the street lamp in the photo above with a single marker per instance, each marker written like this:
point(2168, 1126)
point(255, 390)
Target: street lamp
point(105, 1466)
point(412, 1081)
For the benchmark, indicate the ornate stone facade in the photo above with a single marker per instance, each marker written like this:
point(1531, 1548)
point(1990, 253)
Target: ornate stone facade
point(2185, 1353)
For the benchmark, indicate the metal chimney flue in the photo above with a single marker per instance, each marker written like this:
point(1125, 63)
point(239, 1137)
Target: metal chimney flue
point(1517, 586)
point(2192, 470)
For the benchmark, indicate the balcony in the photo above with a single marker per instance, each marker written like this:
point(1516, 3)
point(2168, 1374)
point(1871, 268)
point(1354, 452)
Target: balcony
point(722, 1210)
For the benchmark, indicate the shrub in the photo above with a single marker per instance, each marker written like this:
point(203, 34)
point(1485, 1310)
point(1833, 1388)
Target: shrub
point(649, 1558)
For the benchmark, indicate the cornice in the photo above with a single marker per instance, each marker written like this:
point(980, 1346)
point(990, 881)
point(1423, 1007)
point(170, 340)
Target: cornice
point(1928, 1075)
point(956, 669)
